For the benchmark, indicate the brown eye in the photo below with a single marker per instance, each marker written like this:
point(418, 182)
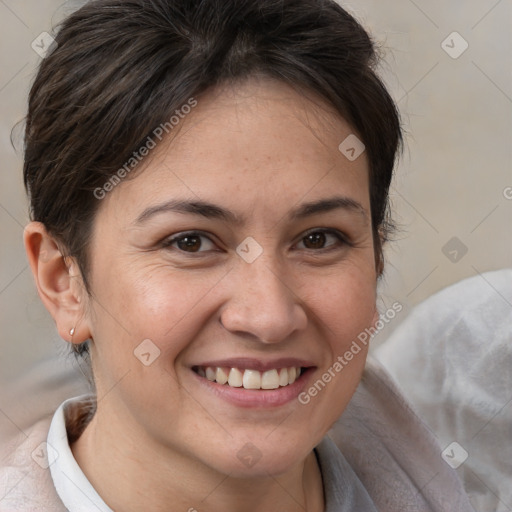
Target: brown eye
point(322, 239)
point(190, 242)
point(314, 240)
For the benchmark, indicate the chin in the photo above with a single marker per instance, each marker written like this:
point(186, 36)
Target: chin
point(259, 458)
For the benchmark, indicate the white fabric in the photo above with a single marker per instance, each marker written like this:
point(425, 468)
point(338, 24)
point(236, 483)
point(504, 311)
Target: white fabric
point(343, 491)
point(393, 453)
point(452, 358)
point(73, 487)
point(394, 457)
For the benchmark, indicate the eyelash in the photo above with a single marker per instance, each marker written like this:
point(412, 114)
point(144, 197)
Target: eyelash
point(342, 239)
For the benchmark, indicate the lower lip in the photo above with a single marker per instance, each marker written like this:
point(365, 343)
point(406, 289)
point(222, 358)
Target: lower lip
point(242, 397)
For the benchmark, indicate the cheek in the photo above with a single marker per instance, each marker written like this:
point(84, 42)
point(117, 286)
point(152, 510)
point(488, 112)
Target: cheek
point(147, 317)
point(352, 308)
point(347, 310)
point(150, 303)
point(343, 304)
point(344, 309)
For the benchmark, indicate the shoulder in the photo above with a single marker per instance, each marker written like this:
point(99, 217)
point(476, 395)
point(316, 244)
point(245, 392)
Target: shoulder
point(25, 480)
point(392, 451)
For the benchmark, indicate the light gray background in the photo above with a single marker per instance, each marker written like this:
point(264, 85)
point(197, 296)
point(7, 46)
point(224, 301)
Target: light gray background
point(450, 183)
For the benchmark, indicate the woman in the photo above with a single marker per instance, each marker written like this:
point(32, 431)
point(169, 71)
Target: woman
point(208, 185)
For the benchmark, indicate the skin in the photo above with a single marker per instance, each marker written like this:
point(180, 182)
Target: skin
point(259, 150)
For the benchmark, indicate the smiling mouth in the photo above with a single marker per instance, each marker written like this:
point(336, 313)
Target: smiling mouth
point(250, 379)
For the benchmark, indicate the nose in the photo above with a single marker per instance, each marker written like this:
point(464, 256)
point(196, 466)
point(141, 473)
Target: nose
point(262, 304)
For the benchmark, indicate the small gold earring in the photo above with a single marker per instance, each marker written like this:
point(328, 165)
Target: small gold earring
point(72, 331)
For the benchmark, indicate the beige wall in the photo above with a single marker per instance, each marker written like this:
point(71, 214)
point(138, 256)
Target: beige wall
point(450, 183)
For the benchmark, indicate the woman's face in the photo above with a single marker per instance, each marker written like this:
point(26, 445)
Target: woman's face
point(278, 272)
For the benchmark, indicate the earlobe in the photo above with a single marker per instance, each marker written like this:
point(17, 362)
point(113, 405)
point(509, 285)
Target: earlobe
point(56, 283)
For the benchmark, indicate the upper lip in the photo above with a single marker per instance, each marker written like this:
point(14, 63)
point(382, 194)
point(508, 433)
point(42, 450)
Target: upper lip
point(249, 363)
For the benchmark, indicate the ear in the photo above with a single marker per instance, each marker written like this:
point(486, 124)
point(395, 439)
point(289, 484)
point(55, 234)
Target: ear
point(59, 283)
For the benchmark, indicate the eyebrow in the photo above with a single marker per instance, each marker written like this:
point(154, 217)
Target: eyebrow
point(212, 211)
point(328, 205)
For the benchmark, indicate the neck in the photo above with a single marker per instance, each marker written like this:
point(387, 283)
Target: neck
point(132, 472)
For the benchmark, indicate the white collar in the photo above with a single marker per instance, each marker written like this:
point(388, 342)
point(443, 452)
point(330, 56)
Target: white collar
point(342, 488)
point(72, 486)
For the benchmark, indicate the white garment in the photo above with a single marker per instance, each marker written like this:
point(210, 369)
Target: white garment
point(343, 490)
point(72, 486)
point(390, 461)
point(452, 358)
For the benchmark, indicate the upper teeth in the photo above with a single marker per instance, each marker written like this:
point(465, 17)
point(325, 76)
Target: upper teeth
point(251, 379)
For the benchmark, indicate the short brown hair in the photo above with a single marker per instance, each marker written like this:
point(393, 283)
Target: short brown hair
point(122, 67)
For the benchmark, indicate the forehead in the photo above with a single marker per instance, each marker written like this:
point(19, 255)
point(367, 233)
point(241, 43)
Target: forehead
point(246, 146)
